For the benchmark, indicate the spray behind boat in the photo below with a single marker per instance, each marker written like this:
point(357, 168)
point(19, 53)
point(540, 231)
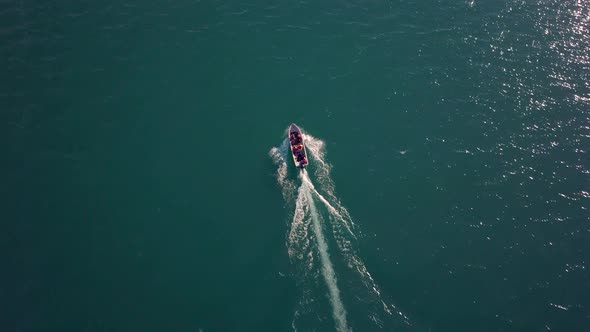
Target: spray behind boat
point(318, 220)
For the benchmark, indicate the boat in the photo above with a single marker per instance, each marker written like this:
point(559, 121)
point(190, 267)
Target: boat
point(297, 147)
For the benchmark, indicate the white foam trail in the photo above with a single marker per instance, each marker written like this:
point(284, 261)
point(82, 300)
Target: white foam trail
point(327, 269)
point(302, 249)
point(331, 209)
point(298, 236)
point(316, 148)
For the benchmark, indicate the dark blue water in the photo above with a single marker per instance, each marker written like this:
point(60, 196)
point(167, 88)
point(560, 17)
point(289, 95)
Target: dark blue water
point(138, 193)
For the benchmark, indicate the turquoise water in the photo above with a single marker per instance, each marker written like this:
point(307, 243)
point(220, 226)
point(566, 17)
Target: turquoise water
point(139, 190)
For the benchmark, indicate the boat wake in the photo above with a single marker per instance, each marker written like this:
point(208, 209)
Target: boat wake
point(312, 229)
point(327, 269)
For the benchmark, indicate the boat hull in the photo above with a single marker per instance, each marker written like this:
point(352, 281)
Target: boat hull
point(297, 145)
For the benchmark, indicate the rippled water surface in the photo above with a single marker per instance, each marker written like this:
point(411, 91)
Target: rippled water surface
point(138, 193)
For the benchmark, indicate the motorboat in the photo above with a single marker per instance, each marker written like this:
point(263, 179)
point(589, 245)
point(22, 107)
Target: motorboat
point(297, 147)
